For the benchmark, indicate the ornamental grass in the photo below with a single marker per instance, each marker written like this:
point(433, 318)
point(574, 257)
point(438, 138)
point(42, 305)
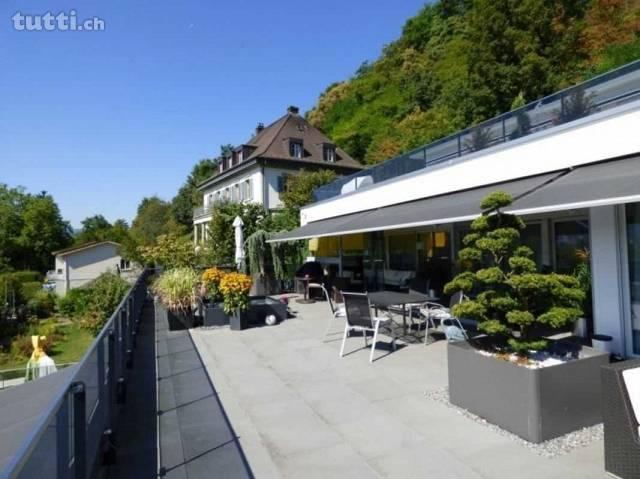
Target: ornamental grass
point(176, 289)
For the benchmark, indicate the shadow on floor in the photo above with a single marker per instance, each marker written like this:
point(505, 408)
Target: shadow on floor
point(196, 438)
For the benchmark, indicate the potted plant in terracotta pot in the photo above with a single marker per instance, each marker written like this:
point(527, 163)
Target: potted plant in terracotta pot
point(235, 289)
point(214, 314)
point(175, 291)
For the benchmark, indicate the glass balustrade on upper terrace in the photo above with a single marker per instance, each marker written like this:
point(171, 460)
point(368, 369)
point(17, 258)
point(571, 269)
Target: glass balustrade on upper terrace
point(600, 93)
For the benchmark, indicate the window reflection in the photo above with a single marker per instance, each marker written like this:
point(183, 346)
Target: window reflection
point(570, 237)
point(633, 248)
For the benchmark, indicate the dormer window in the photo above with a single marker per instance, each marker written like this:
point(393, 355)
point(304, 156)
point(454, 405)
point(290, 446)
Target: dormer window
point(295, 148)
point(329, 153)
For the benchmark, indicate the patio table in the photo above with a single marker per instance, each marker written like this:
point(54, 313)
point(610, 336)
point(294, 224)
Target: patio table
point(384, 299)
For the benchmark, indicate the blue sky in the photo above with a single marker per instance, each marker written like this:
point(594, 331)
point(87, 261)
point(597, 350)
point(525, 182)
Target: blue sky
point(101, 119)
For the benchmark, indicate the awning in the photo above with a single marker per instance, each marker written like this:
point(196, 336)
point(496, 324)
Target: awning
point(449, 208)
point(609, 183)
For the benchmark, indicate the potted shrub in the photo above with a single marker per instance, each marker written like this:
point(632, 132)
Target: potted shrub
point(513, 375)
point(175, 291)
point(235, 289)
point(214, 314)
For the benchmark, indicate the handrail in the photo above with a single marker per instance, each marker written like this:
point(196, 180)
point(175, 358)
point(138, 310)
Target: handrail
point(553, 109)
point(130, 306)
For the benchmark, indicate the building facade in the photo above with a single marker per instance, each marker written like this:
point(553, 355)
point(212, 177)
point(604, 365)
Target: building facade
point(575, 181)
point(78, 265)
point(257, 172)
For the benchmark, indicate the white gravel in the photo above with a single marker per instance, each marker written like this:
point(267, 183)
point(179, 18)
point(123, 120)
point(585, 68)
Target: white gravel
point(552, 448)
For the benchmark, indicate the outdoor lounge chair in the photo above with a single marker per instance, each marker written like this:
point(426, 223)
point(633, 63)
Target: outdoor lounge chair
point(337, 310)
point(359, 318)
point(452, 326)
point(621, 417)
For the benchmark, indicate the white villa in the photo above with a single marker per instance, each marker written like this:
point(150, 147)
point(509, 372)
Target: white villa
point(257, 171)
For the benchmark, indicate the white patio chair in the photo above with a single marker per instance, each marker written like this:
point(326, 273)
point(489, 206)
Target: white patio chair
point(451, 325)
point(337, 310)
point(359, 318)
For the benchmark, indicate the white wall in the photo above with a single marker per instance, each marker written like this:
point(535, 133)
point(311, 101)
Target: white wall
point(86, 265)
point(602, 136)
point(255, 174)
point(607, 275)
point(271, 176)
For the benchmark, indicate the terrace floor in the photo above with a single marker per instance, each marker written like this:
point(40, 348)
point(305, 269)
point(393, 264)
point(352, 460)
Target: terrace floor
point(301, 411)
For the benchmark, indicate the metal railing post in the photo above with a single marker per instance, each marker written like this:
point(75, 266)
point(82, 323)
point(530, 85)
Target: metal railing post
point(79, 430)
point(111, 379)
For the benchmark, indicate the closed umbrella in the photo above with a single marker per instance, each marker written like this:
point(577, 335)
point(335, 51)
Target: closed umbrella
point(237, 226)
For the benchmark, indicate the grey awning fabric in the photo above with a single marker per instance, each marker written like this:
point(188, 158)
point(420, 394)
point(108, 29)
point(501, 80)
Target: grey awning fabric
point(449, 208)
point(328, 227)
point(609, 183)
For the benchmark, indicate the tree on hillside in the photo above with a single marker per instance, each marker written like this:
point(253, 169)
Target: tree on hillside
point(98, 228)
point(11, 205)
point(459, 62)
point(610, 22)
point(43, 231)
point(153, 218)
point(299, 192)
point(183, 203)
point(94, 228)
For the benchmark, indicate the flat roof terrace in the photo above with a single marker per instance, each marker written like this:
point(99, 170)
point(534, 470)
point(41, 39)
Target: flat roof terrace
point(299, 410)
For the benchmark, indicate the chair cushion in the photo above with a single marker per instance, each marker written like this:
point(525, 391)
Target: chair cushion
point(340, 311)
point(632, 383)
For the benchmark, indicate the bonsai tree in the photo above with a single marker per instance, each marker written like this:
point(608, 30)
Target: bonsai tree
point(235, 289)
point(511, 300)
point(211, 279)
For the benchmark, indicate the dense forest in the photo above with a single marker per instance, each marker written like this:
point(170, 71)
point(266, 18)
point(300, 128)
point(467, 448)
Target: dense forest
point(459, 62)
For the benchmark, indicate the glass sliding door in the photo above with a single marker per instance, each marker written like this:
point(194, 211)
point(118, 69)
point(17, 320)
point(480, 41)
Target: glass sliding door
point(571, 237)
point(633, 253)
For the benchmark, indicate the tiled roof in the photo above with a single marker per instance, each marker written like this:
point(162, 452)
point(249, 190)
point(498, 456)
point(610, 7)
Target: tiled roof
point(272, 143)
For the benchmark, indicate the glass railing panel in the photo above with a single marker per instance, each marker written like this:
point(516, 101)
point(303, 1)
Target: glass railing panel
point(603, 92)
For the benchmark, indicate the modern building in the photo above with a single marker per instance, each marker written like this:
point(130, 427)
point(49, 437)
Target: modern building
point(78, 265)
point(257, 170)
point(570, 160)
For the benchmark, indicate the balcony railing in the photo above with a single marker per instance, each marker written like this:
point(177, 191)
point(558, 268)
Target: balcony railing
point(201, 211)
point(600, 93)
point(66, 439)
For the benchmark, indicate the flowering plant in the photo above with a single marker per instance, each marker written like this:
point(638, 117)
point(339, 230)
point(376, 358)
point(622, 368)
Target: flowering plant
point(211, 279)
point(235, 289)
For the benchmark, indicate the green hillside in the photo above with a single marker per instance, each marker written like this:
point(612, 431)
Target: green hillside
point(459, 62)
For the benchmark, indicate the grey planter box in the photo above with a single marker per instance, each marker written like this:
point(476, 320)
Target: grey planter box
point(214, 315)
point(238, 321)
point(535, 404)
point(175, 322)
point(262, 306)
